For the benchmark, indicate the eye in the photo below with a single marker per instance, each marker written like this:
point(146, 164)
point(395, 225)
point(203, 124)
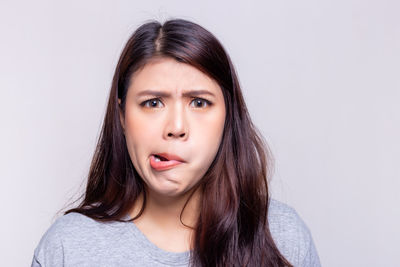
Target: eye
point(201, 103)
point(151, 103)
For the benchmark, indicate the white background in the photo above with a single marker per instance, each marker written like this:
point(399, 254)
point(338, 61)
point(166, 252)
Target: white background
point(321, 80)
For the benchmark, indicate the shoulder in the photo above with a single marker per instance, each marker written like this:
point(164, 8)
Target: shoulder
point(67, 226)
point(68, 229)
point(291, 235)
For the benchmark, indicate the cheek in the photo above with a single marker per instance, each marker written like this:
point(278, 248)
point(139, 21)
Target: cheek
point(139, 127)
point(209, 134)
point(140, 131)
point(140, 135)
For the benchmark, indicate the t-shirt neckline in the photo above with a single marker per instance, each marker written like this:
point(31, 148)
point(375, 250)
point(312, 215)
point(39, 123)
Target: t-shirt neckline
point(156, 253)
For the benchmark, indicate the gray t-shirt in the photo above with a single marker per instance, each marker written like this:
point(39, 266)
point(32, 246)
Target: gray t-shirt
point(77, 240)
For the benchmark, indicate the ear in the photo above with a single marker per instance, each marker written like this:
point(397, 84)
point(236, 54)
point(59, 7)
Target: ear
point(121, 115)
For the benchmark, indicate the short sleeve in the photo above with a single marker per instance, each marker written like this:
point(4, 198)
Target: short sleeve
point(292, 236)
point(311, 258)
point(49, 251)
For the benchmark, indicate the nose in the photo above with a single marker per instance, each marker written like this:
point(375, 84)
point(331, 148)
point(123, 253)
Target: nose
point(176, 125)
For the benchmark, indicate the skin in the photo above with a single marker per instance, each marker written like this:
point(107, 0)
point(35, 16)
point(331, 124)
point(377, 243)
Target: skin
point(184, 125)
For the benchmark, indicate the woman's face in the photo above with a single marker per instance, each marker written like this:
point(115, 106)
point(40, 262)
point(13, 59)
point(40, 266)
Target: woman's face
point(175, 110)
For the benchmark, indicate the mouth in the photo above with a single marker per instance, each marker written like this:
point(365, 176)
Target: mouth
point(164, 161)
point(167, 157)
point(159, 158)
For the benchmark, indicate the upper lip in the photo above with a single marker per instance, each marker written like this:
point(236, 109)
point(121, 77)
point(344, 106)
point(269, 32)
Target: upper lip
point(170, 156)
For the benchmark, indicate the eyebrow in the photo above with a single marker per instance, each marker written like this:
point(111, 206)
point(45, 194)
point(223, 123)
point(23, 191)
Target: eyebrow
point(165, 94)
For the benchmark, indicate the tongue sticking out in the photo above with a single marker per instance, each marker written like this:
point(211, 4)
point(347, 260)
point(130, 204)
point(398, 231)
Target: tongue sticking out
point(160, 163)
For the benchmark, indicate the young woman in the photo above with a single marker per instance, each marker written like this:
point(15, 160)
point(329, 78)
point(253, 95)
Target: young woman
point(179, 175)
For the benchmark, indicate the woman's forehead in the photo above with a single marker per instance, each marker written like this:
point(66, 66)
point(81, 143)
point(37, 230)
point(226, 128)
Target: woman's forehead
point(173, 78)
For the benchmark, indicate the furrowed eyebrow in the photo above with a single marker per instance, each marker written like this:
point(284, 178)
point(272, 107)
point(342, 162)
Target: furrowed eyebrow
point(165, 94)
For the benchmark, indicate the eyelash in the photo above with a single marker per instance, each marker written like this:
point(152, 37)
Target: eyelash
point(197, 98)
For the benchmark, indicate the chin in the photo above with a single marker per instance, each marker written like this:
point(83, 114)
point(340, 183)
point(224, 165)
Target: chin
point(168, 191)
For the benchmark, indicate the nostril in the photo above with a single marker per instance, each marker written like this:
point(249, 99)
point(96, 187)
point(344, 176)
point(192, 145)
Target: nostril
point(181, 135)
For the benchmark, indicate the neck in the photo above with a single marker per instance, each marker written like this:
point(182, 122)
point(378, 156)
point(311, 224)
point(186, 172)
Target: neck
point(166, 211)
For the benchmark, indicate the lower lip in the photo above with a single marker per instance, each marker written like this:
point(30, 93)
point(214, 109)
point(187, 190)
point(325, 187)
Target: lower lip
point(163, 165)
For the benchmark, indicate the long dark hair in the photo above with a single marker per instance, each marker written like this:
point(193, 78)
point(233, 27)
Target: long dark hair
point(232, 229)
